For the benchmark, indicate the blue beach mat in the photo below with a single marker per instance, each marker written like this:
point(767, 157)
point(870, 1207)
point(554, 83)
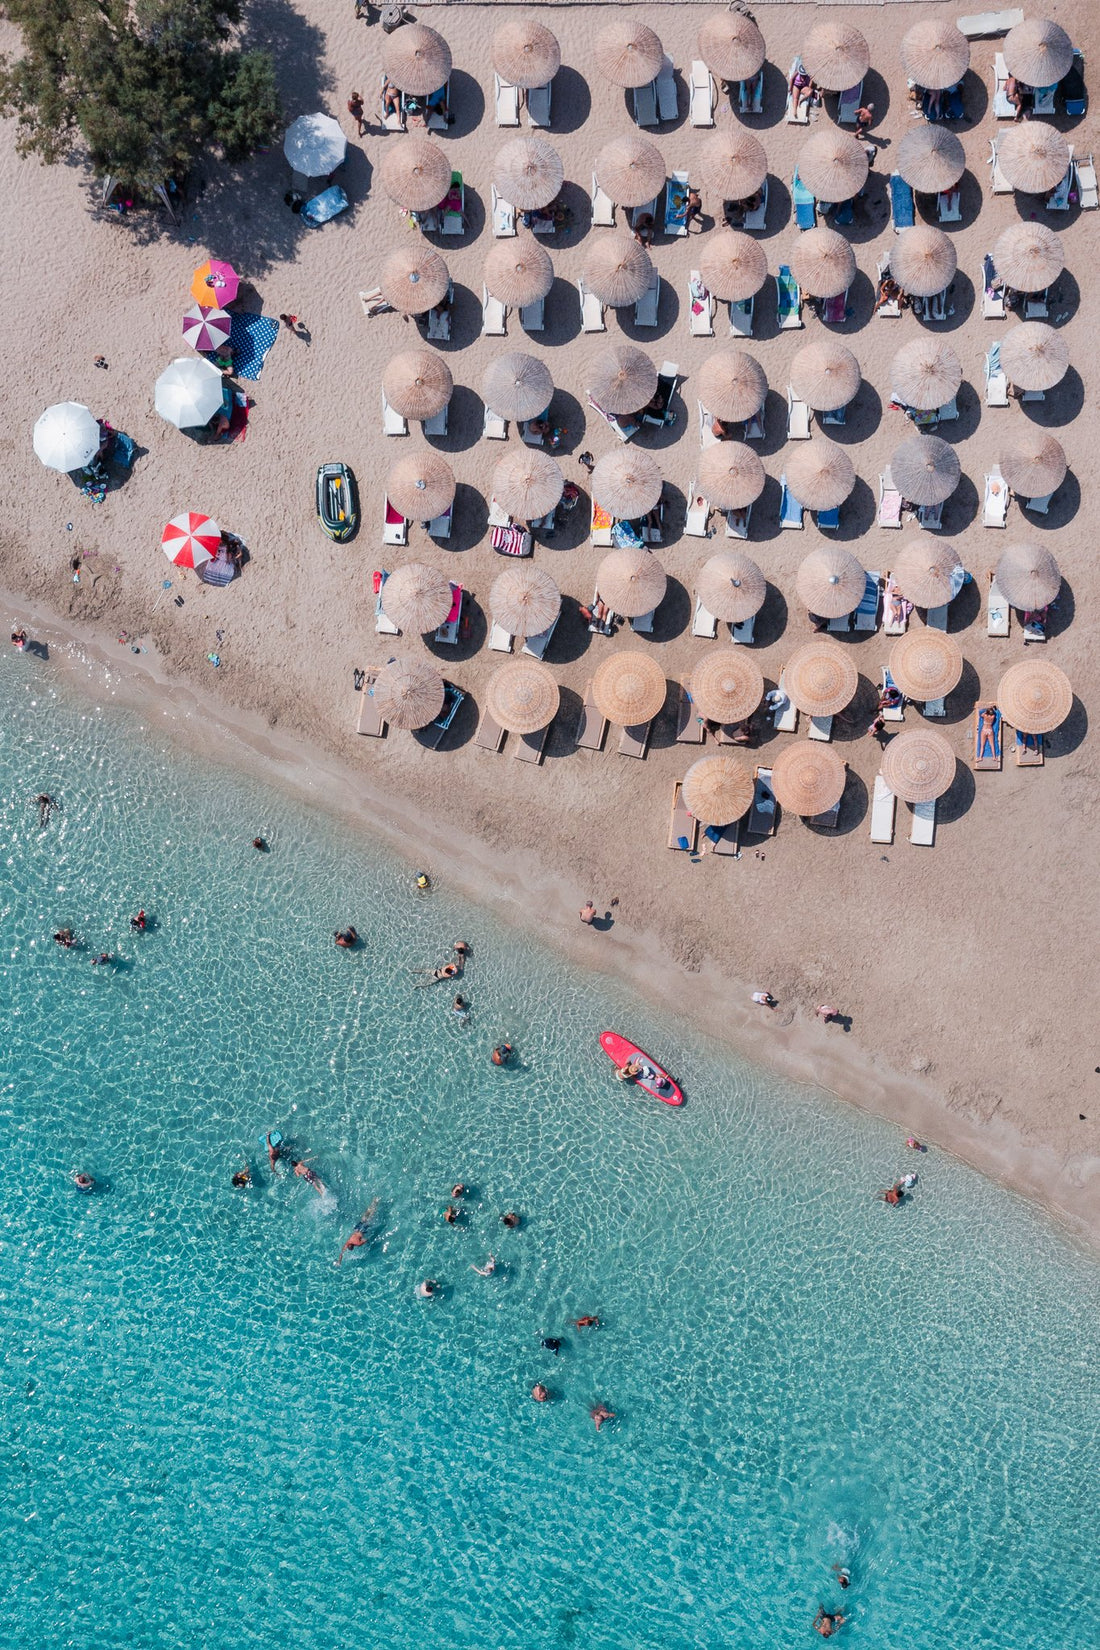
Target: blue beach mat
point(251, 336)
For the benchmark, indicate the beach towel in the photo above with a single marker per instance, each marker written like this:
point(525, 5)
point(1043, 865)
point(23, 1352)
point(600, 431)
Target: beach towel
point(219, 571)
point(251, 337)
point(625, 536)
point(238, 420)
point(511, 541)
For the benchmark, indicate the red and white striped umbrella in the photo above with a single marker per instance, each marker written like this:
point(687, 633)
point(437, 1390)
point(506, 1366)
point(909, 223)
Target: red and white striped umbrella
point(206, 328)
point(191, 540)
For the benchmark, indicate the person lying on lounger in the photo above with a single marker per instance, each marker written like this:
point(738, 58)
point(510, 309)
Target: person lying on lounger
point(987, 732)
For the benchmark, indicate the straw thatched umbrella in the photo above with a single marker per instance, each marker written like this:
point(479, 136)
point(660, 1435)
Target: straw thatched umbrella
point(832, 165)
point(630, 170)
point(1034, 696)
point(925, 372)
point(528, 173)
point(732, 164)
point(631, 582)
point(519, 272)
point(733, 267)
point(925, 469)
point(831, 581)
point(628, 54)
point(417, 597)
point(935, 53)
point(923, 260)
point(731, 586)
point(1029, 577)
point(629, 688)
point(732, 46)
point(918, 766)
point(525, 53)
point(825, 375)
point(1038, 52)
point(823, 263)
point(808, 778)
point(820, 474)
point(414, 279)
point(524, 599)
point(627, 483)
point(925, 572)
point(1028, 256)
point(926, 664)
point(821, 678)
point(930, 158)
point(1032, 462)
point(617, 270)
point(416, 59)
point(421, 486)
point(528, 483)
point(731, 476)
point(409, 692)
point(621, 379)
point(726, 684)
point(1034, 356)
point(417, 383)
point(415, 173)
point(718, 789)
point(837, 56)
point(517, 385)
point(522, 696)
point(732, 384)
point(1033, 157)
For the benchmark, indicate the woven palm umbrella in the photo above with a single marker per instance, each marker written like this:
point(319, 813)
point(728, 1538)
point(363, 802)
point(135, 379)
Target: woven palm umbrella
point(731, 586)
point(417, 597)
point(1034, 696)
point(732, 384)
point(519, 272)
point(629, 688)
point(617, 270)
point(1029, 577)
point(823, 263)
point(820, 474)
point(837, 56)
point(631, 582)
point(731, 476)
point(732, 164)
point(524, 599)
point(918, 766)
point(417, 383)
point(1038, 52)
point(1033, 157)
point(1032, 462)
point(925, 572)
point(925, 372)
point(522, 696)
point(821, 678)
point(627, 483)
point(825, 375)
point(935, 53)
point(409, 693)
point(528, 483)
point(1028, 256)
point(930, 158)
point(926, 664)
point(925, 469)
point(525, 53)
point(733, 267)
point(621, 379)
point(416, 59)
point(1034, 356)
point(528, 173)
point(517, 385)
point(808, 778)
point(630, 170)
point(831, 581)
point(832, 165)
point(415, 173)
point(421, 486)
point(414, 279)
point(732, 46)
point(628, 54)
point(726, 684)
point(923, 260)
point(718, 789)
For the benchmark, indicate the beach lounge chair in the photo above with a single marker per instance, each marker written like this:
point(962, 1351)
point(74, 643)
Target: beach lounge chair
point(454, 216)
point(949, 413)
point(648, 209)
point(642, 623)
point(1002, 108)
point(995, 511)
point(936, 617)
point(901, 607)
point(635, 741)
point(667, 381)
point(369, 721)
point(704, 94)
point(1037, 305)
point(785, 714)
point(996, 381)
point(1039, 506)
point(707, 437)
point(531, 437)
point(453, 699)
point(834, 311)
point(383, 624)
point(741, 315)
point(438, 328)
point(689, 726)
point(805, 205)
point(437, 424)
point(802, 118)
point(993, 298)
point(1058, 199)
point(763, 813)
point(837, 415)
point(592, 724)
point(668, 104)
point(986, 753)
point(949, 205)
point(883, 810)
point(798, 418)
point(1072, 87)
point(788, 300)
point(866, 614)
point(603, 207)
point(645, 310)
point(683, 827)
point(1043, 99)
point(503, 215)
point(891, 309)
point(436, 105)
point(889, 501)
point(602, 525)
point(998, 183)
point(790, 511)
point(500, 640)
point(324, 207)
point(757, 219)
point(821, 728)
point(743, 633)
point(507, 102)
point(676, 204)
point(591, 310)
point(490, 735)
point(495, 428)
point(392, 422)
point(1029, 750)
point(645, 104)
point(750, 94)
point(1035, 627)
point(440, 526)
point(372, 303)
point(532, 317)
point(539, 104)
point(395, 529)
point(1087, 193)
point(895, 712)
point(695, 523)
point(848, 105)
point(737, 522)
point(623, 427)
point(922, 830)
point(704, 624)
point(998, 613)
point(493, 315)
point(535, 646)
point(530, 746)
point(930, 517)
point(700, 307)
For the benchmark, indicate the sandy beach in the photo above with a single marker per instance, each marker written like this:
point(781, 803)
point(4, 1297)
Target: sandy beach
point(967, 1023)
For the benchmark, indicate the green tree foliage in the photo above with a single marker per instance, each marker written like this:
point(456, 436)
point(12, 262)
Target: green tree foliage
point(144, 87)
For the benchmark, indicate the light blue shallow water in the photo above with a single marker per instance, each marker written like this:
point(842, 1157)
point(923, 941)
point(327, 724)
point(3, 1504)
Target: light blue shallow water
point(212, 1437)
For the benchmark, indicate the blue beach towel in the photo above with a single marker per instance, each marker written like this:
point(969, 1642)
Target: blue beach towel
point(251, 336)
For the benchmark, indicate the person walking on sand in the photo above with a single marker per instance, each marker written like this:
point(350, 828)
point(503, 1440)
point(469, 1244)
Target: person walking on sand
point(765, 999)
point(357, 112)
point(588, 912)
point(825, 1014)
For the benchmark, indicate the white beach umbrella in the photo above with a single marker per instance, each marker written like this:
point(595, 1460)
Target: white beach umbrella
point(314, 145)
point(189, 392)
point(66, 436)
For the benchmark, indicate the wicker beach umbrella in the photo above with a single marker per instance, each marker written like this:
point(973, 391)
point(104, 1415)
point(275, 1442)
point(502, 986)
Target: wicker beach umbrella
point(525, 53)
point(831, 581)
point(820, 474)
point(925, 372)
point(930, 158)
point(524, 599)
point(631, 582)
point(821, 678)
point(517, 385)
point(733, 267)
point(925, 469)
point(832, 165)
point(732, 164)
point(837, 56)
point(1034, 157)
point(1029, 577)
point(919, 765)
point(935, 53)
point(823, 263)
point(1028, 256)
point(718, 789)
point(522, 696)
point(415, 173)
point(923, 260)
point(732, 384)
point(731, 586)
point(416, 59)
point(67, 435)
point(417, 383)
point(628, 54)
point(1034, 356)
point(825, 375)
point(732, 46)
point(926, 664)
point(629, 688)
point(731, 476)
point(1032, 462)
point(1038, 52)
point(528, 173)
point(414, 279)
point(528, 484)
point(519, 272)
point(417, 597)
point(627, 483)
point(808, 778)
point(409, 692)
point(421, 486)
point(617, 270)
point(726, 684)
point(630, 170)
point(1034, 696)
point(621, 379)
point(925, 572)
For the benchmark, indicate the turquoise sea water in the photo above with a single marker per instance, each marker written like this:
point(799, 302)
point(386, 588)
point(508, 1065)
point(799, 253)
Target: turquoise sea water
point(213, 1437)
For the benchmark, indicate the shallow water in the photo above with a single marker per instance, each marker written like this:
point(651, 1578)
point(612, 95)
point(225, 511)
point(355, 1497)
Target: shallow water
point(215, 1437)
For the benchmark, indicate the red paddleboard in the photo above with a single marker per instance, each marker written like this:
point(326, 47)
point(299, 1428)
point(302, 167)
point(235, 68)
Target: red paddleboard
point(621, 1050)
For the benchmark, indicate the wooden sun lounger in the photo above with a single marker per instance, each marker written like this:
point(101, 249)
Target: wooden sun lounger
point(725, 839)
point(683, 827)
point(591, 725)
point(1029, 750)
point(369, 721)
point(883, 811)
point(530, 746)
point(490, 735)
point(635, 741)
point(987, 763)
point(689, 729)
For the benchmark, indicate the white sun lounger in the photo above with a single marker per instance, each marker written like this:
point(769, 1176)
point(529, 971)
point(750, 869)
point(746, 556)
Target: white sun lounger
point(383, 624)
point(996, 380)
point(791, 513)
point(440, 526)
point(889, 501)
point(645, 104)
point(995, 510)
point(707, 437)
point(643, 624)
point(695, 522)
point(758, 218)
point(1058, 199)
point(785, 717)
point(949, 205)
point(1038, 506)
point(647, 208)
point(493, 315)
point(985, 24)
point(447, 634)
point(507, 102)
point(603, 207)
point(532, 317)
point(1002, 108)
point(704, 624)
point(370, 722)
point(536, 646)
point(750, 94)
point(392, 422)
point(500, 640)
point(821, 728)
point(701, 320)
point(498, 515)
point(998, 622)
point(704, 94)
point(395, 530)
point(591, 310)
point(998, 183)
point(1087, 193)
point(539, 102)
point(1037, 305)
point(866, 614)
point(439, 321)
point(848, 105)
point(743, 632)
point(495, 428)
point(668, 106)
point(741, 315)
point(892, 309)
point(922, 832)
point(883, 811)
point(930, 517)
point(993, 297)
point(798, 418)
point(437, 424)
point(676, 226)
point(622, 427)
point(891, 713)
point(737, 522)
point(645, 310)
point(601, 538)
point(893, 627)
point(503, 215)
point(802, 118)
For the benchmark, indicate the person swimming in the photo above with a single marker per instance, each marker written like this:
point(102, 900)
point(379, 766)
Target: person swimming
point(427, 1289)
point(138, 923)
point(488, 1269)
point(540, 1393)
point(260, 844)
point(274, 1142)
point(310, 1176)
point(511, 1220)
point(459, 1190)
point(423, 882)
point(460, 1007)
point(242, 1178)
point(452, 1215)
point(843, 1576)
point(83, 1182)
point(348, 938)
point(600, 1413)
point(103, 958)
point(358, 1235)
point(826, 1623)
point(586, 1323)
point(65, 938)
point(502, 1054)
point(552, 1343)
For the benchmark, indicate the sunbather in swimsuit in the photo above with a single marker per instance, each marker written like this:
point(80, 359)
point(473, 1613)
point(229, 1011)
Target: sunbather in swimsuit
point(987, 733)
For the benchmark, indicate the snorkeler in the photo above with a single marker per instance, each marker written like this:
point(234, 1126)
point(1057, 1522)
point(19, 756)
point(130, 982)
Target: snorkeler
point(310, 1176)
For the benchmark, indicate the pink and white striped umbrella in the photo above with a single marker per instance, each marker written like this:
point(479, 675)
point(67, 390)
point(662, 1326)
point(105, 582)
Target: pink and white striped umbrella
point(191, 540)
point(206, 328)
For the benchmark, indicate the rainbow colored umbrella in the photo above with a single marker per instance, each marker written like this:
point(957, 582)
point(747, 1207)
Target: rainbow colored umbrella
point(206, 328)
point(190, 540)
point(214, 282)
